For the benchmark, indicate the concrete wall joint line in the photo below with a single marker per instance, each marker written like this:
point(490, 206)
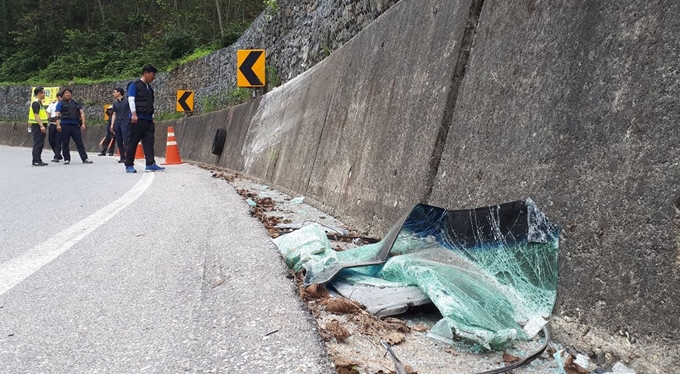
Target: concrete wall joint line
point(271, 168)
point(323, 127)
point(466, 44)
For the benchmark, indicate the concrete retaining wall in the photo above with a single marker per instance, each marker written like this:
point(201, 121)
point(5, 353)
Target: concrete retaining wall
point(350, 133)
point(195, 135)
point(15, 134)
point(577, 107)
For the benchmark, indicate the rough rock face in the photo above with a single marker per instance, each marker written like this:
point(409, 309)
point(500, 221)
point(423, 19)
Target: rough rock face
point(296, 37)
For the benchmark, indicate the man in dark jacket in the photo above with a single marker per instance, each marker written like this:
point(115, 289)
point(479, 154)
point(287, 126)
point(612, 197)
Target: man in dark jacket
point(142, 124)
point(70, 122)
point(121, 121)
point(109, 141)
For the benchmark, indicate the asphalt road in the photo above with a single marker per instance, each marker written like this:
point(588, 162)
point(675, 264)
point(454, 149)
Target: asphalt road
point(107, 272)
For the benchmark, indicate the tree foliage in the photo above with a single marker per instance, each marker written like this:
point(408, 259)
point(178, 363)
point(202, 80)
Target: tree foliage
point(58, 40)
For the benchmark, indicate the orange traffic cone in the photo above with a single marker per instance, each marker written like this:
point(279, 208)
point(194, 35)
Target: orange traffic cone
point(139, 154)
point(171, 150)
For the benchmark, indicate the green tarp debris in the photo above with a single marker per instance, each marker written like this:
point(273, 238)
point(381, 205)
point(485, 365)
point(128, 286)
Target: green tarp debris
point(490, 271)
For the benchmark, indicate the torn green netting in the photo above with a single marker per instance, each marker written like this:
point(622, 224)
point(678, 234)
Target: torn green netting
point(489, 270)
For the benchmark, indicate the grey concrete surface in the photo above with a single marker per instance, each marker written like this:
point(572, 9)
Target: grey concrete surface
point(182, 280)
point(39, 202)
point(576, 106)
point(15, 134)
point(356, 133)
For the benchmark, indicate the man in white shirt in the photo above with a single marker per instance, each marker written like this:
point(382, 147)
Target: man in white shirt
point(54, 136)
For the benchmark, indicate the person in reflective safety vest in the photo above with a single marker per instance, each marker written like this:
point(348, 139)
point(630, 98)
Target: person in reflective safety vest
point(37, 125)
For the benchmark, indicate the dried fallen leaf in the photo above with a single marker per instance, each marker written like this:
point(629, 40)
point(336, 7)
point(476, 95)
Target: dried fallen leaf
point(394, 338)
point(421, 327)
point(451, 351)
point(333, 329)
point(316, 291)
point(550, 350)
point(266, 203)
point(396, 324)
point(410, 370)
point(345, 365)
point(340, 305)
point(573, 368)
point(510, 359)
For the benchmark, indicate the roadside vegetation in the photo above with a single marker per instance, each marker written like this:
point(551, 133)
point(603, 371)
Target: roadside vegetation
point(60, 41)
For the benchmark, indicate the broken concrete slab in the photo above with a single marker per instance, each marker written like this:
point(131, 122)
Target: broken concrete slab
point(380, 297)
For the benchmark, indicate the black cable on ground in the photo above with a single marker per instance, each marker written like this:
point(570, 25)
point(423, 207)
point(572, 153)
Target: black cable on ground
point(525, 361)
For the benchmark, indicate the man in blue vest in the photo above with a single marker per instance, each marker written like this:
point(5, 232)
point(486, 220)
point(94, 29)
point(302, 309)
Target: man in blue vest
point(37, 122)
point(69, 112)
point(142, 124)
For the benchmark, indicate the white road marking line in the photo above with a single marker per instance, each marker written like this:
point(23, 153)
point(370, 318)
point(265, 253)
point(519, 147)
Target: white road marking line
point(19, 268)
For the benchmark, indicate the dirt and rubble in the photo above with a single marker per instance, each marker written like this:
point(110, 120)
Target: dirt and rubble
point(354, 338)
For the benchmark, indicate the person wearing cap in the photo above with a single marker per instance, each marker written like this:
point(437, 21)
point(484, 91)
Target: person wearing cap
point(143, 126)
point(121, 121)
point(54, 136)
point(37, 122)
point(109, 140)
point(69, 113)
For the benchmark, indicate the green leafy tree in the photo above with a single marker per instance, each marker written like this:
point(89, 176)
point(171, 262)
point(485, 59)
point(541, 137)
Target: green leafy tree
point(76, 39)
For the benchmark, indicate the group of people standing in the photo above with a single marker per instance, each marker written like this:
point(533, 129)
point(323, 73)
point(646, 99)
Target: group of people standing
point(130, 121)
point(65, 111)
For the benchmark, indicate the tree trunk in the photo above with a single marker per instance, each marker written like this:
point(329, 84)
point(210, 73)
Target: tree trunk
point(226, 15)
point(219, 16)
point(101, 10)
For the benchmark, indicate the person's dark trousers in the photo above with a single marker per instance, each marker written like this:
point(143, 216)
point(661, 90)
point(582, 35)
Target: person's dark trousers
point(38, 142)
point(112, 142)
point(54, 137)
point(145, 131)
point(107, 141)
point(69, 132)
point(122, 137)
